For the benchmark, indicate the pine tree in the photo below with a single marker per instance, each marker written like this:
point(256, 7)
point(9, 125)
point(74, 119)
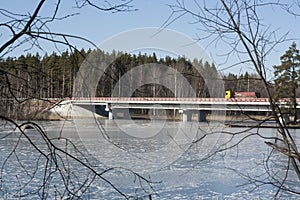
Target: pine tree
point(287, 77)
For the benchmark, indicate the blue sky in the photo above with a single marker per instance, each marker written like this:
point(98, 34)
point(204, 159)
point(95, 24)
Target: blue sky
point(98, 26)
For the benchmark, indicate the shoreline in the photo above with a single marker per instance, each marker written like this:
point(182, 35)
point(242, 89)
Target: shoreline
point(233, 121)
point(245, 125)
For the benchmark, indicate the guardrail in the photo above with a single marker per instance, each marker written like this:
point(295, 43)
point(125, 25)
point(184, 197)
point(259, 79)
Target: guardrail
point(162, 99)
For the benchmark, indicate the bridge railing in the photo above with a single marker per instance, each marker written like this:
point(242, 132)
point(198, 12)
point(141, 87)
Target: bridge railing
point(171, 99)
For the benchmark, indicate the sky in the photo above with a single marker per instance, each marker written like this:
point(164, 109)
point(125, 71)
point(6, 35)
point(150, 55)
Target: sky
point(99, 26)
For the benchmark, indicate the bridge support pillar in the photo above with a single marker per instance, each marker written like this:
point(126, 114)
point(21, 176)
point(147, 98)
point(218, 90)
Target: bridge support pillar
point(202, 115)
point(110, 115)
point(298, 113)
point(186, 115)
point(121, 113)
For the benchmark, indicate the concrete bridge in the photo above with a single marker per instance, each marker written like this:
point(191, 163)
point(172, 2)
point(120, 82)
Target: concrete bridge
point(187, 106)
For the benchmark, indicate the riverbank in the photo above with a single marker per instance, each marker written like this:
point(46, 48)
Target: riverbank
point(260, 125)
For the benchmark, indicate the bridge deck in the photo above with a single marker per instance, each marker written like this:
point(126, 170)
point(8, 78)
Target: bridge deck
point(170, 99)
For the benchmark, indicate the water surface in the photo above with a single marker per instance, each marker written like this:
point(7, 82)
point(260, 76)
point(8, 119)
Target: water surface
point(164, 152)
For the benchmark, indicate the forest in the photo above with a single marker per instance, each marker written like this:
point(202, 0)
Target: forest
point(52, 76)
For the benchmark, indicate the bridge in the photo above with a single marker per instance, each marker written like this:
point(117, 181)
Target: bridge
point(186, 106)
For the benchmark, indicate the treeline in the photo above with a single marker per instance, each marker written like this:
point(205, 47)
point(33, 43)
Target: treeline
point(52, 76)
point(33, 76)
point(246, 82)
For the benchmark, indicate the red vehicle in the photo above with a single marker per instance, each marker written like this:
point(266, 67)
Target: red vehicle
point(246, 95)
point(230, 94)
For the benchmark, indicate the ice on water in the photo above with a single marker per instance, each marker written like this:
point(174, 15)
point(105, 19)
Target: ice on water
point(169, 155)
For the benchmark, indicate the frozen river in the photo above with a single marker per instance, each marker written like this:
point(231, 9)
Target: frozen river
point(169, 160)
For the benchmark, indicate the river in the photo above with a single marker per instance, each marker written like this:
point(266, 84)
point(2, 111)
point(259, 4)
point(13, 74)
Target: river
point(163, 152)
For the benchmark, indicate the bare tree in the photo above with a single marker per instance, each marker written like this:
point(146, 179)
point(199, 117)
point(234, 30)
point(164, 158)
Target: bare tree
point(240, 27)
point(55, 167)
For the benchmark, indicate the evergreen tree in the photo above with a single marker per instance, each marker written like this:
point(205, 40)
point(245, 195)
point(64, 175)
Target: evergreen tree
point(287, 77)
